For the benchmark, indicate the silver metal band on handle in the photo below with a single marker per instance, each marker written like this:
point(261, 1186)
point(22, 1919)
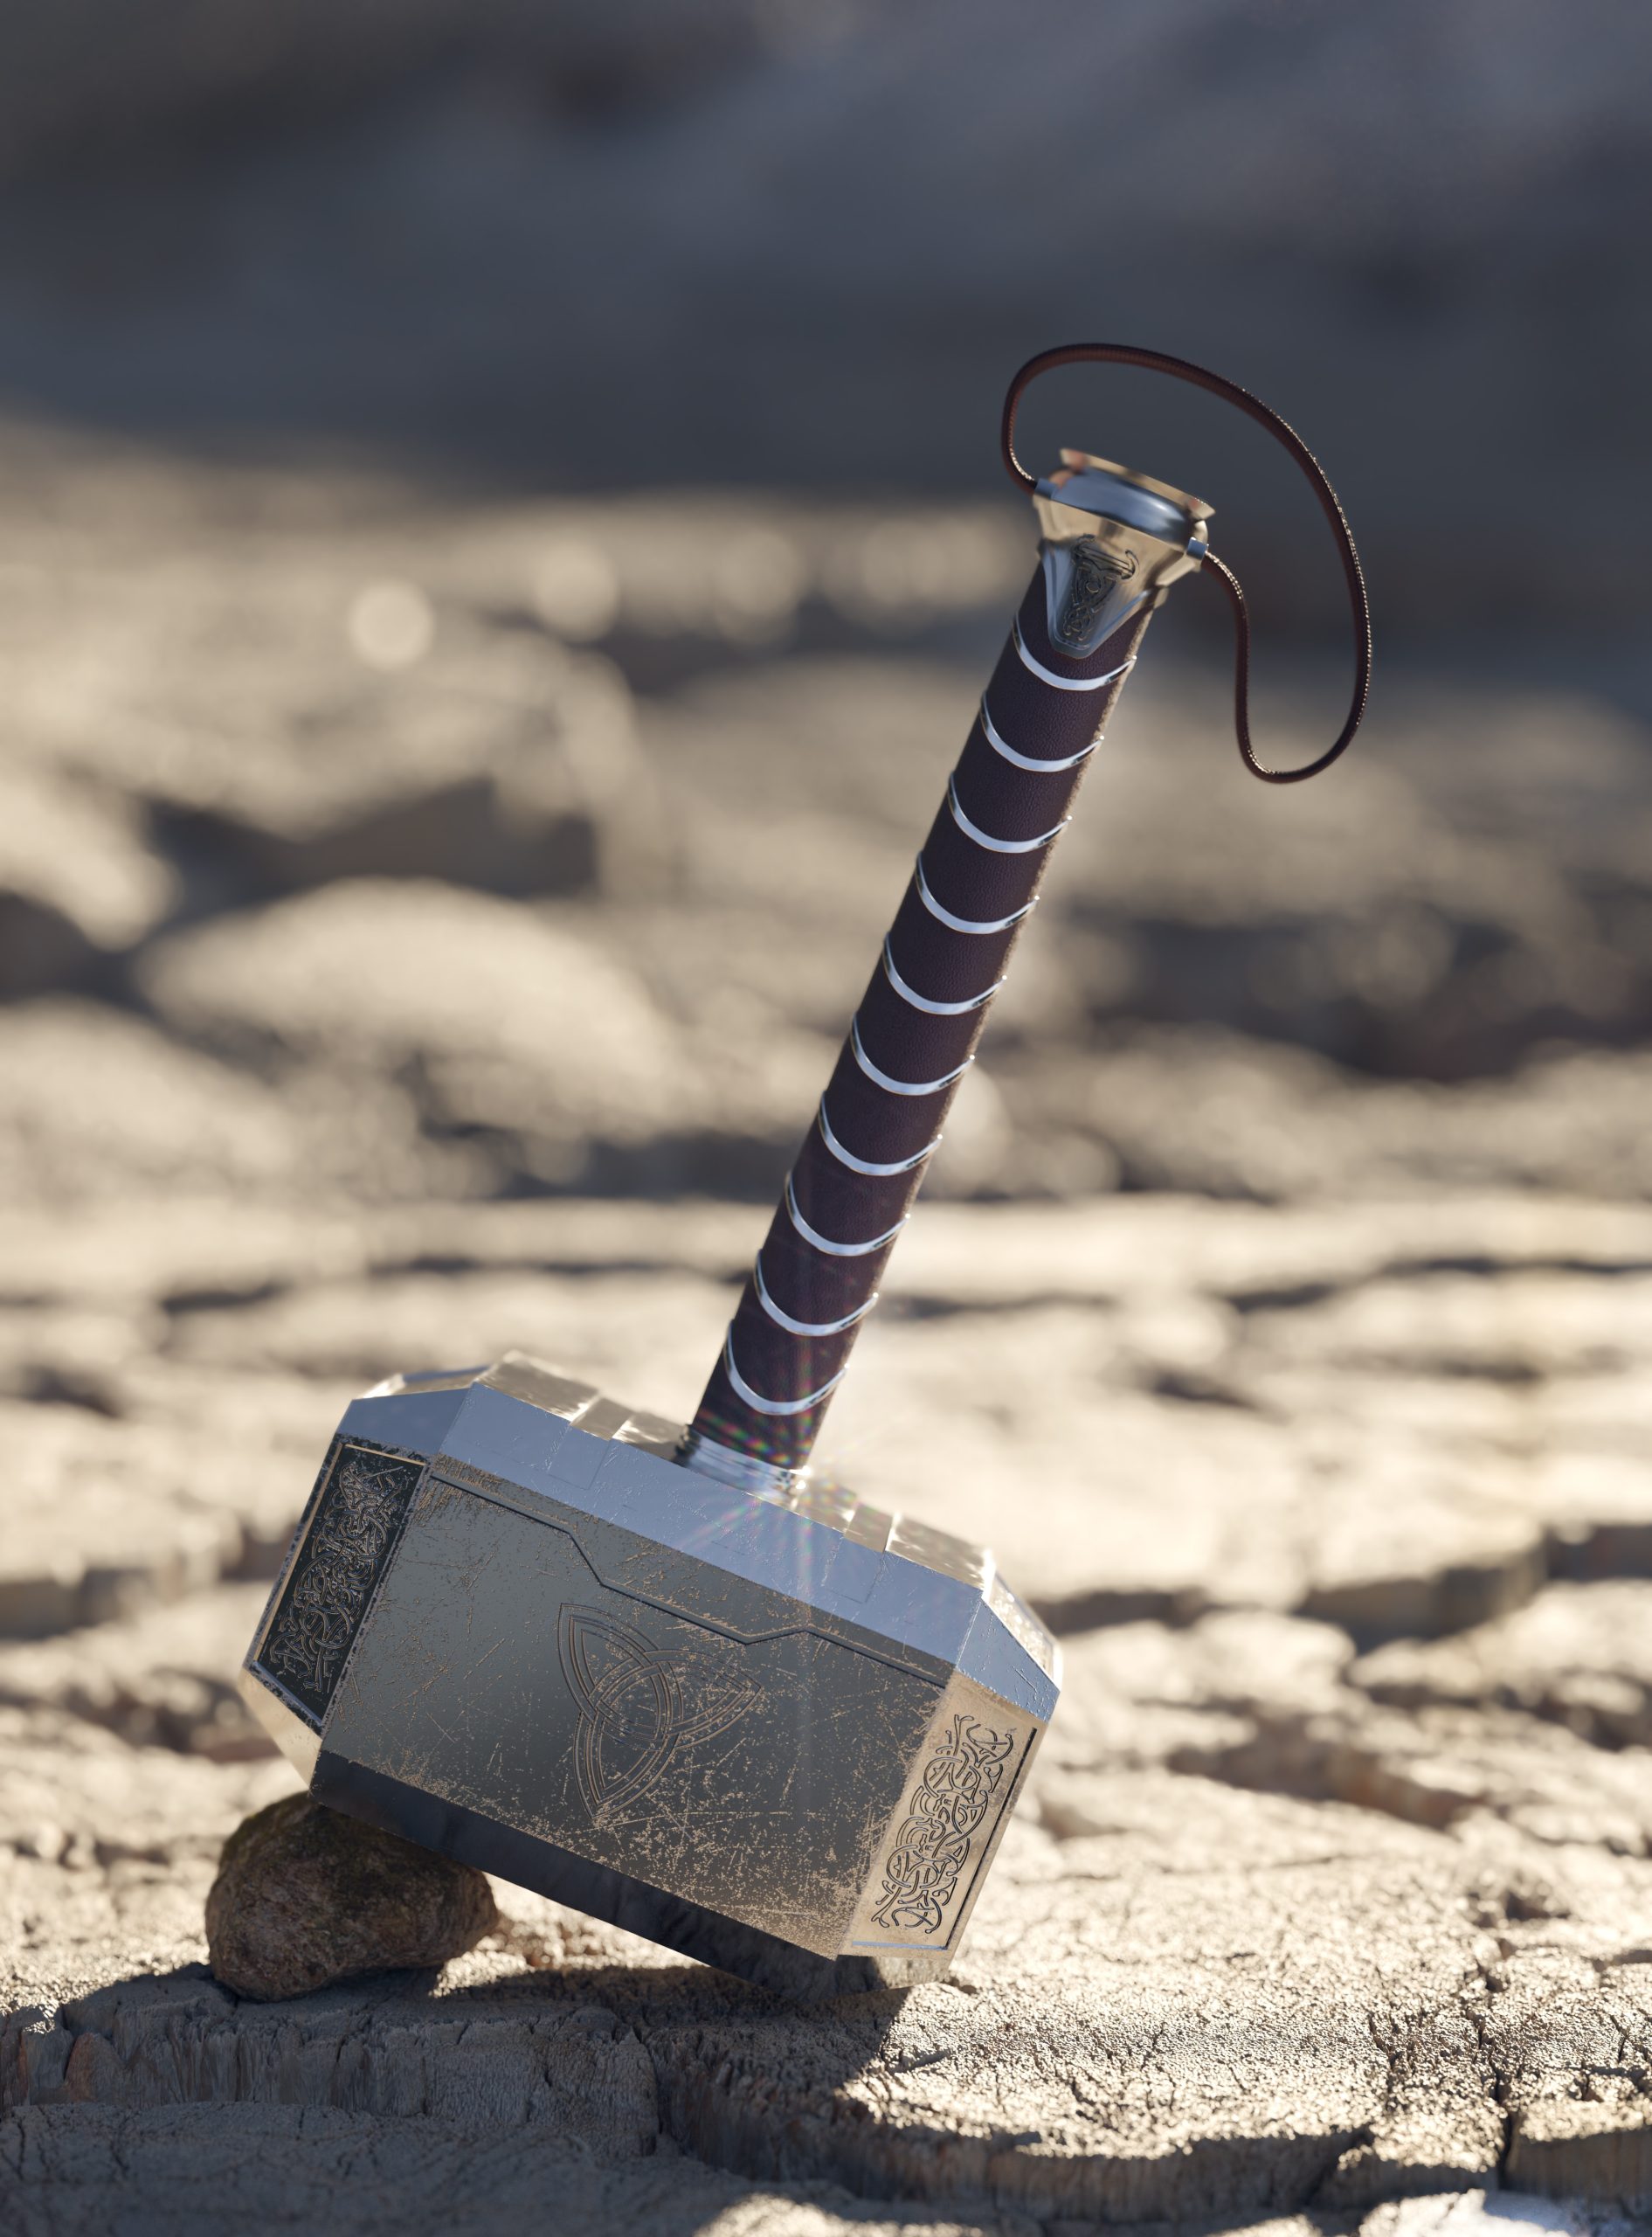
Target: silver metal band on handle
point(741, 1471)
point(864, 1165)
point(783, 1319)
point(985, 839)
point(1030, 760)
point(886, 1080)
point(969, 923)
point(1063, 682)
point(820, 1242)
point(923, 1002)
point(762, 1405)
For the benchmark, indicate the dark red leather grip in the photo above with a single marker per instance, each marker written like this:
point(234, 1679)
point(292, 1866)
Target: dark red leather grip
point(912, 1038)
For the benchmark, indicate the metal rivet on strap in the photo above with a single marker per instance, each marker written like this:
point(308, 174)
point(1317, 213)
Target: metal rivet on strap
point(900, 1087)
point(806, 1328)
point(985, 839)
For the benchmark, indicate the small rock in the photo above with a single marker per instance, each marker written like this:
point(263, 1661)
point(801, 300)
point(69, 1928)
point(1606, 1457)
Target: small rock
point(305, 1897)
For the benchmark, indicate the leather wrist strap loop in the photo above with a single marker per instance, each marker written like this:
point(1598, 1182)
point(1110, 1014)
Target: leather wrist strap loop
point(1154, 361)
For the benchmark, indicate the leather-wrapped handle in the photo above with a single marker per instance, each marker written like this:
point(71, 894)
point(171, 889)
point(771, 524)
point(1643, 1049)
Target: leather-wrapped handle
point(912, 1039)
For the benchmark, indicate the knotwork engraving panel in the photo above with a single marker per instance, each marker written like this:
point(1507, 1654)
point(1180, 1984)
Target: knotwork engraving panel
point(356, 1521)
point(637, 1707)
point(956, 1798)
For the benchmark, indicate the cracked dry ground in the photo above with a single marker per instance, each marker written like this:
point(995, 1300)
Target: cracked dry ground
point(356, 1017)
point(1335, 1887)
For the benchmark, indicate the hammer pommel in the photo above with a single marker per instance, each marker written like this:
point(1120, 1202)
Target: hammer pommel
point(781, 1734)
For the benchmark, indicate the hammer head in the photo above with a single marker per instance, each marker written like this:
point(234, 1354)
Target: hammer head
point(782, 1736)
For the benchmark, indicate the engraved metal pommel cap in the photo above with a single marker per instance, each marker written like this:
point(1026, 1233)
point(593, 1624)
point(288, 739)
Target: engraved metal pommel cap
point(1113, 542)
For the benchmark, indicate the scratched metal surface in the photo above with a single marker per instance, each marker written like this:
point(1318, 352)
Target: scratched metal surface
point(750, 1729)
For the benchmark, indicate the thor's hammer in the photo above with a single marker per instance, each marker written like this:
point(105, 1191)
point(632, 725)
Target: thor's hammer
point(662, 1676)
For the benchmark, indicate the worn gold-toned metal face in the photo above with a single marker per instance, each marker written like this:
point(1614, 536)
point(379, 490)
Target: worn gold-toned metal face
point(1112, 540)
point(783, 1736)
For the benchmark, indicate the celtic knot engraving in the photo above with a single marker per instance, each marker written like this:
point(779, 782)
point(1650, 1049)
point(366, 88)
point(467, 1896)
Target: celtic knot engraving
point(920, 1871)
point(1096, 574)
point(635, 1709)
point(358, 1518)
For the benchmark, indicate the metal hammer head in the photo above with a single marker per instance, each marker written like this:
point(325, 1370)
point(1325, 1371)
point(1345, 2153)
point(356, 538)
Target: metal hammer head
point(781, 1734)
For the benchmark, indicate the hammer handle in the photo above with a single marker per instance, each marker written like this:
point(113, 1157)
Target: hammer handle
point(912, 1039)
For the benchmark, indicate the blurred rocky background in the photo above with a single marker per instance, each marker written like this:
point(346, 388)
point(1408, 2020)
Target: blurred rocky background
point(479, 489)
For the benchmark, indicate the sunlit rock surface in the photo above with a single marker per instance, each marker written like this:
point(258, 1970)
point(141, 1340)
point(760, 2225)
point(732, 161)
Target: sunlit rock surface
point(305, 1898)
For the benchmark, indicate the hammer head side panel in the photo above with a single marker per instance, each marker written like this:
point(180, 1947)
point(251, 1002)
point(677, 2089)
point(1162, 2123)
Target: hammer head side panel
point(780, 1736)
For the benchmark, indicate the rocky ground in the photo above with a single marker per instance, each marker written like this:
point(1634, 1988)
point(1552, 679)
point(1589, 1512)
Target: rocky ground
point(397, 969)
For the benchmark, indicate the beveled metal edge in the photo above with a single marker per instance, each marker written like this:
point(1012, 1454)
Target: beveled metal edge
point(298, 1739)
point(796, 1617)
point(888, 1595)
